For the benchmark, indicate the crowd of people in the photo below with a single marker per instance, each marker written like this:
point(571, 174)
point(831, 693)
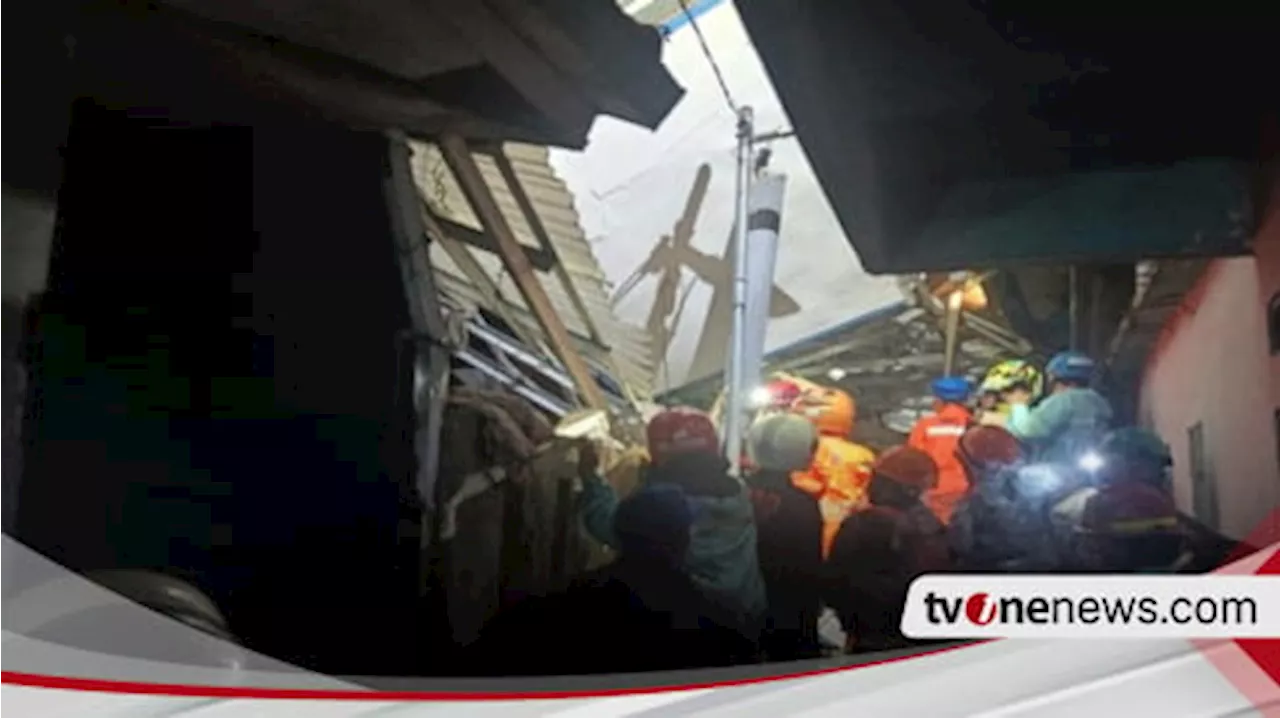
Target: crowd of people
point(1022, 473)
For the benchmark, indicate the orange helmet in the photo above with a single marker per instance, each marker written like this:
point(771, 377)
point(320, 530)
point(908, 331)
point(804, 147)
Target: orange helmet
point(832, 411)
point(907, 466)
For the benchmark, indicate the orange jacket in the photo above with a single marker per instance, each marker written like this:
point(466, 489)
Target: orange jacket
point(938, 435)
point(837, 478)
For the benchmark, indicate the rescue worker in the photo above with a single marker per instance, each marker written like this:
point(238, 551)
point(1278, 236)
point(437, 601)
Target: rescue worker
point(774, 398)
point(782, 394)
point(938, 434)
point(1132, 527)
point(1051, 497)
point(868, 575)
point(880, 549)
point(640, 613)
point(988, 533)
point(1132, 454)
point(1067, 423)
point(1010, 375)
point(685, 451)
point(1135, 454)
point(789, 535)
point(900, 479)
point(838, 476)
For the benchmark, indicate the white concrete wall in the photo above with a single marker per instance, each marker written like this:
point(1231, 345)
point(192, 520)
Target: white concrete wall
point(630, 187)
point(1214, 367)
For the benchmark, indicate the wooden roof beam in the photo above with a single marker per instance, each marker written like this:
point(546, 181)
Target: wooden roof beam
point(458, 155)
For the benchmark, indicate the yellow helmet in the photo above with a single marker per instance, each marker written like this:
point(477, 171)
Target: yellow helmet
point(1011, 373)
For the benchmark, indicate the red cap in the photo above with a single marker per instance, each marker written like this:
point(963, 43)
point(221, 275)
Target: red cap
point(989, 445)
point(908, 466)
point(681, 430)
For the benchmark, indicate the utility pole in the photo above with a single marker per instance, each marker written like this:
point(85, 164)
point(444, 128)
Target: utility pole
point(736, 414)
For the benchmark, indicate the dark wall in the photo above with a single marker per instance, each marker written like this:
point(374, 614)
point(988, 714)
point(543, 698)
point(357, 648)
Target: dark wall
point(216, 386)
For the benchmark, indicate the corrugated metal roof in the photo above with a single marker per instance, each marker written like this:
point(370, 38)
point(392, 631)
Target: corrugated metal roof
point(628, 353)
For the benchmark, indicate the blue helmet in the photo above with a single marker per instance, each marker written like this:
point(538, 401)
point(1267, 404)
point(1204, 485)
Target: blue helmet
point(1071, 366)
point(952, 388)
point(1137, 443)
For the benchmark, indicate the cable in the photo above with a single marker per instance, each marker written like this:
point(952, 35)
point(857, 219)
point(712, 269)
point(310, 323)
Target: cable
point(706, 50)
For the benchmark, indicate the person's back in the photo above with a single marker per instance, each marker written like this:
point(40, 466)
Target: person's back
point(789, 536)
point(938, 434)
point(902, 476)
point(868, 574)
point(1071, 420)
point(1132, 527)
point(880, 549)
point(721, 557)
point(1048, 501)
point(988, 530)
point(1080, 417)
point(838, 474)
point(993, 532)
point(978, 531)
point(619, 619)
point(641, 613)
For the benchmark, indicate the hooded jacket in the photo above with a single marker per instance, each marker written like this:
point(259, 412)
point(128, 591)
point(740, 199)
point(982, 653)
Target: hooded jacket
point(722, 559)
point(1063, 425)
point(789, 527)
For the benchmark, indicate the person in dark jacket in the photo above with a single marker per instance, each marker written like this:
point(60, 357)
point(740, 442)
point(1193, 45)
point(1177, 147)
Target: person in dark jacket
point(881, 549)
point(1132, 527)
point(899, 480)
point(987, 531)
point(789, 536)
point(868, 574)
point(640, 613)
point(721, 558)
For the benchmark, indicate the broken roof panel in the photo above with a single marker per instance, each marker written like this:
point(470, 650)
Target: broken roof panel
point(496, 69)
point(611, 344)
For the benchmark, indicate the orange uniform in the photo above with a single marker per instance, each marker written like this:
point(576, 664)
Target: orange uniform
point(841, 469)
point(938, 435)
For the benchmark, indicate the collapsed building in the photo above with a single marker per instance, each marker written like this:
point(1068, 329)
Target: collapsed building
point(252, 348)
point(232, 359)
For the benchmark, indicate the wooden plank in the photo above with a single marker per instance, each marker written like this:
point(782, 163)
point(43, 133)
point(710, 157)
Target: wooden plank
point(544, 241)
point(540, 259)
point(472, 270)
point(467, 172)
point(562, 273)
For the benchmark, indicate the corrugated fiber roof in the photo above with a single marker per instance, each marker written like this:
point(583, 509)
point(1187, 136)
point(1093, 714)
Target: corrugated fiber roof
point(627, 352)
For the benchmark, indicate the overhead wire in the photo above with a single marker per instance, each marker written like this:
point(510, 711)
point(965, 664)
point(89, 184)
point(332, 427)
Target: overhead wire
point(706, 51)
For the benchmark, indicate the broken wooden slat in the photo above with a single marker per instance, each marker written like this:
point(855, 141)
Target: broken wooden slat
point(463, 163)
